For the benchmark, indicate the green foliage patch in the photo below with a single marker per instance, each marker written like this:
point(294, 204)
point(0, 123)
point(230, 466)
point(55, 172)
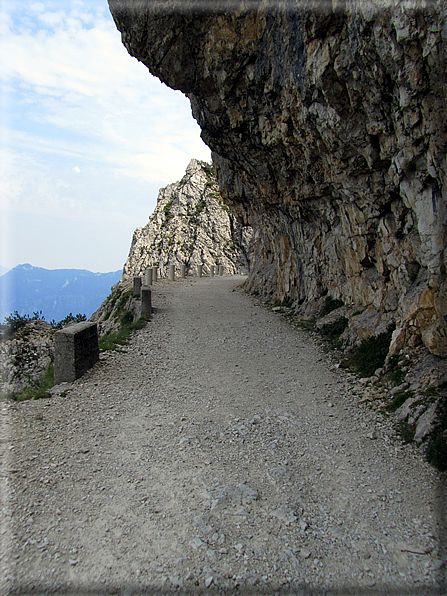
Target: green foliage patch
point(167, 213)
point(329, 305)
point(333, 331)
point(39, 389)
point(15, 322)
point(436, 451)
point(395, 373)
point(114, 339)
point(371, 353)
point(406, 431)
point(69, 319)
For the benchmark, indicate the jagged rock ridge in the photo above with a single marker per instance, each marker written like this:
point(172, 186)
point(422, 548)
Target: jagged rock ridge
point(190, 226)
point(327, 129)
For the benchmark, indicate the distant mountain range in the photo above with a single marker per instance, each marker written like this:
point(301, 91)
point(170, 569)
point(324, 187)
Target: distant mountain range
point(56, 292)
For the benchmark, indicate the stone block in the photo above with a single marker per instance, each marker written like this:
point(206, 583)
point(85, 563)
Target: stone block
point(136, 286)
point(75, 351)
point(146, 301)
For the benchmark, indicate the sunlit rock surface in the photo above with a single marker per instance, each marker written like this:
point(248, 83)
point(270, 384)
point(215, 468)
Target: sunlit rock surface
point(327, 128)
point(190, 226)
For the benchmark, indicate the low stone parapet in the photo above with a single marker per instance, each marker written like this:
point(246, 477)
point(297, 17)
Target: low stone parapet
point(75, 351)
point(146, 301)
point(136, 286)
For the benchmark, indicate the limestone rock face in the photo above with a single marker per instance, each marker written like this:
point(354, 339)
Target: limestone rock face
point(190, 226)
point(25, 358)
point(327, 129)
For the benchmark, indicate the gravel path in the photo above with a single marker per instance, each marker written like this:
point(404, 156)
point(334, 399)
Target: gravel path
point(220, 452)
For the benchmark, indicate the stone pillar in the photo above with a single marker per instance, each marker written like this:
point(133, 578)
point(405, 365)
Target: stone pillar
point(182, 271)
point(75, 351)
point(146, 301)
point(172, 272)
point(136, 286)
point(148, 279)
point(154, 274)
point(212, 271)
point(221, 270)
point(199, 270)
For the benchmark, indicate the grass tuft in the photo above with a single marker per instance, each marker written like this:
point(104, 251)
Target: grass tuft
point(39, 389)
point(112, 341)
point(406, 431)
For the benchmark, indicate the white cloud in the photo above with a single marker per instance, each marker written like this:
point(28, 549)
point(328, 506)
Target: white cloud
point(88, 129)
point(82, 80)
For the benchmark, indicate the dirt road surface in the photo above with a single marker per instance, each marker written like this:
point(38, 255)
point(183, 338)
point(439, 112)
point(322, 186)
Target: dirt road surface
point(220, 452)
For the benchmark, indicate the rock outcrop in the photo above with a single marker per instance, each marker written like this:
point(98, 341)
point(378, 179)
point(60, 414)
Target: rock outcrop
point(327, 129)
point(25, 358)
point(190, 226)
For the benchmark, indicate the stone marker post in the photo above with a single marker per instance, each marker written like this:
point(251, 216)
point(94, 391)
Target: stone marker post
point(182, 271)
point(154, 274)
point(221, 270)
point(136, 286)
point(212, 271)
point(199, 270)
point(148, 279)
point(75, 351)
point(146, 301)
point(172, 272)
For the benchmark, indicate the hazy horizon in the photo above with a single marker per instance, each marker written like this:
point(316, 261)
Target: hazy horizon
point(4, 270)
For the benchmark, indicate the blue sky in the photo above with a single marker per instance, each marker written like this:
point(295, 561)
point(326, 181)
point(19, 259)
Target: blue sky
point(88, 137)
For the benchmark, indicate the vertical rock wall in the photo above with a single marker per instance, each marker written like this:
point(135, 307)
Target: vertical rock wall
point(328, 132)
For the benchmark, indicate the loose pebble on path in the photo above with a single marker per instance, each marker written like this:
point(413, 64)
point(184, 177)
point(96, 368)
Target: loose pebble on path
point(219, 452)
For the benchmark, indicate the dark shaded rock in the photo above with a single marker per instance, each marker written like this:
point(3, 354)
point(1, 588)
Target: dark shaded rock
point(327, 129)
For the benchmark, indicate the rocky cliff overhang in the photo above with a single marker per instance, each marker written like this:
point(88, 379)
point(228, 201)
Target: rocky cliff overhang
point(327, 124)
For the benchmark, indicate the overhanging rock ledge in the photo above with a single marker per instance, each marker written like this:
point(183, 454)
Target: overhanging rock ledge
point(327, 130)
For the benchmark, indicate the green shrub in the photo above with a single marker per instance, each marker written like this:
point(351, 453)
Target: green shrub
point(307, 325)
point(126, 319)
point(167, 213)
point(121, 304)
point(39, 389)
point(436, 452)
point(15, 321)
point(199, 208)
point(69, 319)
point(396, 374)
point(332, 331)
point(329, 305)
point(371, 353)
point(111, 341)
